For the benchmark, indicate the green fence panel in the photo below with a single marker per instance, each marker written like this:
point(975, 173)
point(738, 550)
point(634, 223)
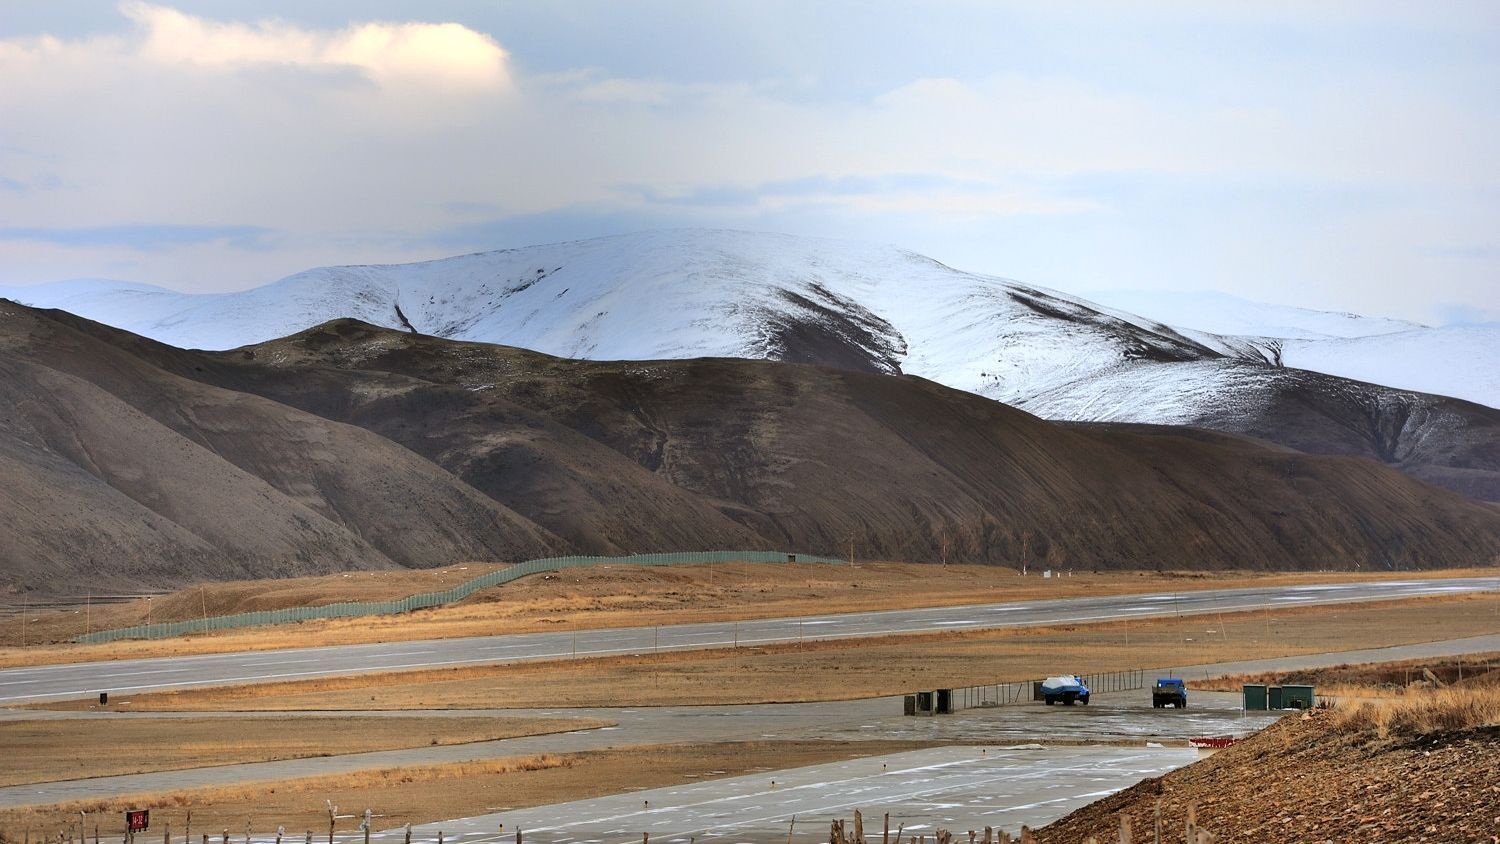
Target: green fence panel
point(427, 600)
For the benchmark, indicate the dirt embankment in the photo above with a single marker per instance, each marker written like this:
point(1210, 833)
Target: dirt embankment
point(1326, 776)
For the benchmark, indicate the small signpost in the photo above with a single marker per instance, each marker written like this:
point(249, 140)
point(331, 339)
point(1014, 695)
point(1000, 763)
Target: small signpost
point(138, 820)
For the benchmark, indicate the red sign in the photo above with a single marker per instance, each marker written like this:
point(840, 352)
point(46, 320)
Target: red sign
point(137, 820)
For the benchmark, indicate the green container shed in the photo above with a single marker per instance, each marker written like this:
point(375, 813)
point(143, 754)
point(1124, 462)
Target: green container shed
point(1254, 696)
point(1297, 697)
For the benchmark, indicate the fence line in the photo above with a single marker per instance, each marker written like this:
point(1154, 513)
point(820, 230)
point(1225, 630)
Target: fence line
point(426, 600)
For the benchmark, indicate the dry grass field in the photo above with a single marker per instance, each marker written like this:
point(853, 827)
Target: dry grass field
point(835, 670)
point(44, 751)
point(605, 596)
point(1379, 679)
point(426, 794)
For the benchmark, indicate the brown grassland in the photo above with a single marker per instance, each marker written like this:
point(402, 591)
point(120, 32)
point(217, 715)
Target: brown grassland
point(1378, 679)
point(839, 669)
point(604, 596)
point(44, 751)
point(426, 794)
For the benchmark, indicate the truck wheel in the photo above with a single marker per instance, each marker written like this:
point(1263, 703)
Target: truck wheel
point(1050, 700)
point(1084, 700)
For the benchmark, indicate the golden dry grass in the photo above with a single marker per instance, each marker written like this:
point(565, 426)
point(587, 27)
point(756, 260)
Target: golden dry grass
point(861, 667)
point(44, 751)
point(606, 596)
point(431, 793)
point(1375, 679)
point(1422, 712)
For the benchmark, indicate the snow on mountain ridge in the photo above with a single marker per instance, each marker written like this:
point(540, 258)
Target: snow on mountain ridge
point(1233, 316)
point(707, 293)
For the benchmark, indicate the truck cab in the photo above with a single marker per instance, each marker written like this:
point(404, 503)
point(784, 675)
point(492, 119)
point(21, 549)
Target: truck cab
point(1169, 691)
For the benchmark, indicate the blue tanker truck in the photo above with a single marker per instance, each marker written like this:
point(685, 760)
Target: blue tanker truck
point(1066, 689)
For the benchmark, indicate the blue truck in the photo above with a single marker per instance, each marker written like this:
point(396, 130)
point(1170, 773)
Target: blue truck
point(1066, 689)
point(1169, 691)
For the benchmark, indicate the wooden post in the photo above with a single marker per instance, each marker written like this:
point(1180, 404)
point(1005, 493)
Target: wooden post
point(1026, 836)
point(859, 827)
point(645, 838)
point(1156, 839)
point(247, 831)
point(885, 835)
point(1004, 837)
point(1192, 825)
point(1125, 831)
point(440, 836)
point(408, 833)
point(166, 833)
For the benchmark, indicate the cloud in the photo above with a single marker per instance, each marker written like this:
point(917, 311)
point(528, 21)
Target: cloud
point(1216, 146)
point(440, 53)
point(145, 237)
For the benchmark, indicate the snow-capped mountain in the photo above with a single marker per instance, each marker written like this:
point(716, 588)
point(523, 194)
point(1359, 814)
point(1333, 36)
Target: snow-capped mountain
point(1462, 361)
point(694, 293)
point(1229, 315)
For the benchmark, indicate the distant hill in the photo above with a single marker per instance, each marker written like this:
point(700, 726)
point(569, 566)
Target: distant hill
point(1420, 399)
point(350, 445)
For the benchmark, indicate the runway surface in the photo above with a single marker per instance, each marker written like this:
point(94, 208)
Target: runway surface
point(1110, 717)
point(55, 682)
point(955, 788)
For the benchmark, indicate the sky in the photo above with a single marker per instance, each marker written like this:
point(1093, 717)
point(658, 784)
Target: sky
point(1338, 155)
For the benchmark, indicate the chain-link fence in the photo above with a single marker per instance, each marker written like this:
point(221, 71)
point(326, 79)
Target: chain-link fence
point(425, 600)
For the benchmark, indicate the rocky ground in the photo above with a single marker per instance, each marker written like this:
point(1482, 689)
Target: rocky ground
point(1315, 778)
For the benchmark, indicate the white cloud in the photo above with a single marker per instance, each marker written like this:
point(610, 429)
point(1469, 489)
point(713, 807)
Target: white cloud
point(355, 141)
point(440, 53)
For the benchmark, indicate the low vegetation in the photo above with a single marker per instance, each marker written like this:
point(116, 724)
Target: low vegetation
point(64, 749)
point(1422, 712)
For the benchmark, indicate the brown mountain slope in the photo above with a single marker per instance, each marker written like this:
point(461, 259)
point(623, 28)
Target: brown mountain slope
point(351, 445)
point(807, 456)
point(119, 472)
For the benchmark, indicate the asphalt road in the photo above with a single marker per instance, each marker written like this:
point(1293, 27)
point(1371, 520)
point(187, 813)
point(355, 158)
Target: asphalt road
point(1112, 716)
point(55, 682)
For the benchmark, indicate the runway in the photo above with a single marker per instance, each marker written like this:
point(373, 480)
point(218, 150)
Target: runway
point(954, 788)
point(57, 682)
